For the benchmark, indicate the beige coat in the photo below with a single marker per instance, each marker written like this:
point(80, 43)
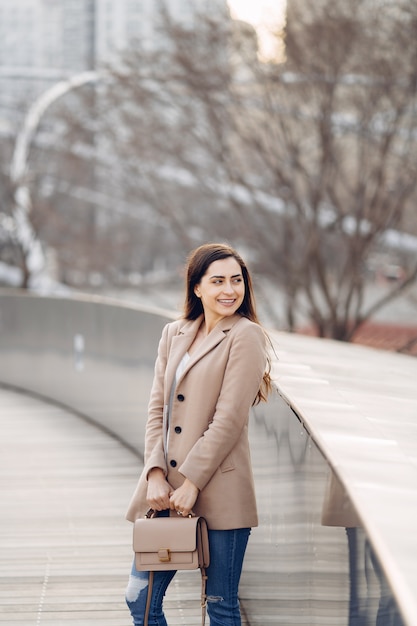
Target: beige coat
point(208, 433)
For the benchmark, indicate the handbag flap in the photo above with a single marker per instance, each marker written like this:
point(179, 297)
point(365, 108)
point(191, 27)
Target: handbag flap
point(171, 533)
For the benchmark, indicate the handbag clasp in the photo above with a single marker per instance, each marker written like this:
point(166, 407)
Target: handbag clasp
point(164, 555)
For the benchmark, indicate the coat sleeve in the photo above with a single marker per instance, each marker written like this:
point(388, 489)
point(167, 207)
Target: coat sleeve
point(241, 381)
point(154, 442)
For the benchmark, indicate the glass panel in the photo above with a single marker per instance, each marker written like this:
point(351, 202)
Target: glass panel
point(309, 561)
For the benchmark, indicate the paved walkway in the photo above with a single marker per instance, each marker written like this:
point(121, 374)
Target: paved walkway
point(65, 548)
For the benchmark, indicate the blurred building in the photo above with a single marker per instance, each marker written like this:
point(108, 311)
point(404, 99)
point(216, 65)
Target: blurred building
point(43, 41)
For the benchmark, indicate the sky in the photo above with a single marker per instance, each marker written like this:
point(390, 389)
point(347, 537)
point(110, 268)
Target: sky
point(257, 11)
point(263, 15)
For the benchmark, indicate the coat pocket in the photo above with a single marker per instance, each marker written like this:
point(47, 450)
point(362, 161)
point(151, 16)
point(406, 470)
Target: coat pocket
point(228, 464)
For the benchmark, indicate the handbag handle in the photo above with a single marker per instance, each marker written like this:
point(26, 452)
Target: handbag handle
point(150, 513)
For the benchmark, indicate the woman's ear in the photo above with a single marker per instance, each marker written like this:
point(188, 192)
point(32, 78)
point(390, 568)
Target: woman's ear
point(197, 291)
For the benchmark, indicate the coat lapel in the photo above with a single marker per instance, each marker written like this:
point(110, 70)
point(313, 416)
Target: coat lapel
point(181, 342)
point(179, 346)
point(210, 342)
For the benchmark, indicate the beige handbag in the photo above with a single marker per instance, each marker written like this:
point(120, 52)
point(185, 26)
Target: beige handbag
point(171, 543)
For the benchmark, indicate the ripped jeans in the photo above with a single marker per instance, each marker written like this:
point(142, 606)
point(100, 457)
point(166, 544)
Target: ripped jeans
point(227, 551)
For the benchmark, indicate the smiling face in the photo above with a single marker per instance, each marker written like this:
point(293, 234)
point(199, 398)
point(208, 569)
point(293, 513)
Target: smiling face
point(221, 290)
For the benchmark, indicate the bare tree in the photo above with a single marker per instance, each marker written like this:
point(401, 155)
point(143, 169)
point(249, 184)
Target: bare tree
point(308, 162)
point(312, 160)
point(339, 140)
point(12, 253)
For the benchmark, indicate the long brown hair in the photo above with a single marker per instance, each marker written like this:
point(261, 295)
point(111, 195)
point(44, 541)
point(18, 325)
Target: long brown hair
point(198, 263)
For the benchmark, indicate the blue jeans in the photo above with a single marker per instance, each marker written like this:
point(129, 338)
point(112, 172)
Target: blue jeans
point(227, 551)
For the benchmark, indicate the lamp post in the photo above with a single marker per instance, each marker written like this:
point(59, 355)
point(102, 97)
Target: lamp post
point(28, 241)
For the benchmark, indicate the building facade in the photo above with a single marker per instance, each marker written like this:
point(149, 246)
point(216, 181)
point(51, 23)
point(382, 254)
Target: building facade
point(44, 41)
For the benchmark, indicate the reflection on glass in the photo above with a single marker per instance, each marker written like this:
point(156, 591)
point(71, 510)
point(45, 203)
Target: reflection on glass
point(370, 598)
point(309, 562)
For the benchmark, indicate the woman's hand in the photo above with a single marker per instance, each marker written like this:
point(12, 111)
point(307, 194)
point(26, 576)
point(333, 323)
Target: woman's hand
point(184, 498)
point(159, 490)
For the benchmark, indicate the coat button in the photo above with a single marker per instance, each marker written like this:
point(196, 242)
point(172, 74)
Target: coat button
point(180, 397)
point(178, 429)
point(173, 463)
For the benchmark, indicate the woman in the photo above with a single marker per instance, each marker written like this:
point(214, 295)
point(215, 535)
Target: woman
point(212, 366)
